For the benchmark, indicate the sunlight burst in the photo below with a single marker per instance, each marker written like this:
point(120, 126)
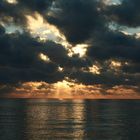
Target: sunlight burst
point(44, 57)
point(79, 49)
point(44, 30)
point(115, 64)
point(94, 69)
point(12, 1)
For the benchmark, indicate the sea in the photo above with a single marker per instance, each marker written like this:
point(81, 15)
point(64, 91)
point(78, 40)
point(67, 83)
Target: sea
point(47, 119)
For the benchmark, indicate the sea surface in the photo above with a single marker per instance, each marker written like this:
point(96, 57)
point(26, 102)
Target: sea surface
point(41, 119)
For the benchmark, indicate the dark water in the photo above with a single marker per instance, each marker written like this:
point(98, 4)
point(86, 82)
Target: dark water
point(69, 119)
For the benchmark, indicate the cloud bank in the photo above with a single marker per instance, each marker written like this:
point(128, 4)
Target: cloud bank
point(111, 58)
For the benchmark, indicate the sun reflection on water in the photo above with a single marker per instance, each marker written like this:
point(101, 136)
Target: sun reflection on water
point(56, 119)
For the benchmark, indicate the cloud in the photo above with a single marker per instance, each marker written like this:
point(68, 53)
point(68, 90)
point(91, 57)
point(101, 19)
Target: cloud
point(2, 30)
point(17, 12)
point(114, 44)
point(20, 62)
point(76, 19)
point(36, 5)
point(107, 79)
point(133, 68)
point(126, 13)
point(79, 22)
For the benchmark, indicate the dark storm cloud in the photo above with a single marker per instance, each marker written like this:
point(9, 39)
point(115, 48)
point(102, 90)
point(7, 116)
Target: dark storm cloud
point(108, 79)
point(131, 68)
point(113, 44)
point(13, 75)
point(127, 13)
point(5, 89)
point(36, 5)
point(77, 19)
point(20, 61)
point(12, 13)
point(2, 30)
point(81, 21)
point(16, 12)
point(59, 55)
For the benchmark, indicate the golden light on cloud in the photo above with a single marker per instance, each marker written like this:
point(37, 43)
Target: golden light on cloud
point(122, 90)
point(126, 33)
point(60, 69)
point(79, 49)
point(44, 57)
point(116, 64)
point(94, 69)
point(62, 88)
point(35, 22)
point(70, 90)
point(31, 85)
point(12, 1)
point(44, 30)
point(137, 35)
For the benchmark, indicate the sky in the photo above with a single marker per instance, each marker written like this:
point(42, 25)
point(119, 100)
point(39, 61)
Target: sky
point(69, 48)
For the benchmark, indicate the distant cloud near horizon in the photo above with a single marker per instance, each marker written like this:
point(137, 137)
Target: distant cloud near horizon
point(76, 43)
